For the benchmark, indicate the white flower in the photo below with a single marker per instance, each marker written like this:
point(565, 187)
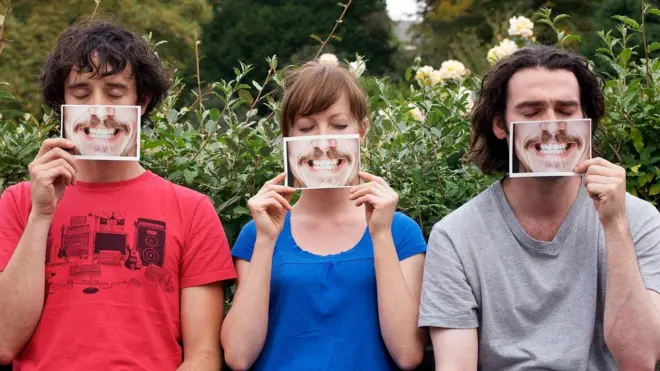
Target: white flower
point(357, 67)
point(453, 70)
point(506, 48)
point(424, 73)
point(521, 26)
point(437, 77)
point(416, 113)
point(329, 59)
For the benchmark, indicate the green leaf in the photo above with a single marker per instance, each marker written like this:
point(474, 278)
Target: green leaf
point(6, 95)
point(548, 22)
point(241, 210)
point(635, 169)
point(190, 175)
point(573, 37)
point(605, 51)
point(27, 150)
point(625, 55)
point(408, 74)
point(154, 143)
point(210, 126)
point(336, 37)
point(655, 11)
point(654, 190)
point(637, 139)
point(214, 114)
point(256, 85)
point(628, 21)
point(246, 96)
point(316, 38)
point(172, 116)
point(654, 46)
point(560, 17)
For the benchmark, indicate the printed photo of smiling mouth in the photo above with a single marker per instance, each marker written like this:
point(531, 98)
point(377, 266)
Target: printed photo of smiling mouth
point(548, 148)
point(322, 161)
point(108, 130)
point(561, 145)
point(331, 161)
point(102, 132)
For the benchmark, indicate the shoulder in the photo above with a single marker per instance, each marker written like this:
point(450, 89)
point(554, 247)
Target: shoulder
point(467, 216)
point(18, 193)
point(636, 206)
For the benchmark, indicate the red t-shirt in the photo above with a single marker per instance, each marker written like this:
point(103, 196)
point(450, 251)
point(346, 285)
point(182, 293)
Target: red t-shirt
point(117, 256)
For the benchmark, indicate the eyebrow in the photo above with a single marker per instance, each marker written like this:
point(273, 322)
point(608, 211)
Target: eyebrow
point(539, 103)
point(117, 85)
point(340, 114)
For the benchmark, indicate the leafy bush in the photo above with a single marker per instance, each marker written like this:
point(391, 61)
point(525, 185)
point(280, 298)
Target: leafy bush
point(418, 137)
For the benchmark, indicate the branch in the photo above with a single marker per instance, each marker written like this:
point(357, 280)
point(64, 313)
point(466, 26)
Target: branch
point(263, 86)
point(646, 47)
point(98, 2)
point(341, 17)
point(199, 83)
point(2, 28)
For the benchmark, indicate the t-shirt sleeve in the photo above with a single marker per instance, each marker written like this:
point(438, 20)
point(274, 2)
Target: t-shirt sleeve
point(644, 220)
point(206, 257)
point(244, 245)
point(447, 299)
point(408, 237)
point(12, 223)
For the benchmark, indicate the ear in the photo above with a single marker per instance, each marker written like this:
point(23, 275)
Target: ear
point(144, 102)
point(364, 125)
point(499, 128)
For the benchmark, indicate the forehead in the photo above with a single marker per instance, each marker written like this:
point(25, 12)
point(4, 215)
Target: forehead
point(540, 84)
point(76, 75)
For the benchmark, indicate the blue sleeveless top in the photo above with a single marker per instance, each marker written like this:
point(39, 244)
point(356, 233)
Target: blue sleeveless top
point(323, 312)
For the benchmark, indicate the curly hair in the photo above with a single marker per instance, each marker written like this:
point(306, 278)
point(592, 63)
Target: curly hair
point(116, 48)
point(490, 153)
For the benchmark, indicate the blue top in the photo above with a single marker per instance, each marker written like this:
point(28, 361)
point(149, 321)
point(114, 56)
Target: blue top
point(323, 312)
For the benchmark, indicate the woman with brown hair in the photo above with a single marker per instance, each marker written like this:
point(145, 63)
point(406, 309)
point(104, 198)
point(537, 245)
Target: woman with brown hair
point(332, 283)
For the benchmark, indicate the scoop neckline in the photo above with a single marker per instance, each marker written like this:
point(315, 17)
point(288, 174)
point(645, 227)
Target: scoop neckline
point(352, 249)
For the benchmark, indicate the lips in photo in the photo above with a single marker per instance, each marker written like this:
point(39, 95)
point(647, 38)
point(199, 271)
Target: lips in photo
point(322, 161)
point(102, 131)
point(550, 146)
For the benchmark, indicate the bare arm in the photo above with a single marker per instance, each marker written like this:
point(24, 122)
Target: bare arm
point(455, 349)
point(244, 331)
point(22, 286)
point(632, 320)
point(202, 310)
point(399, 286)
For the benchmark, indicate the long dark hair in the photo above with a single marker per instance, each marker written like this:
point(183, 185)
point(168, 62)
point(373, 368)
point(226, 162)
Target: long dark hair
point(490, 153)
point(117, 48)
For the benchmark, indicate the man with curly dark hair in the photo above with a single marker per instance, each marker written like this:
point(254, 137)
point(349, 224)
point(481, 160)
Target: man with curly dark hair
point(105, 265)
point(543, 273)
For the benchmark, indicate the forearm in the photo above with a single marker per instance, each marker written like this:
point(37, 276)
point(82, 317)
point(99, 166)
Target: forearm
point(245, 328)
point(210, 360)
point(398, 305)
point(632, 323)
point(22, 288)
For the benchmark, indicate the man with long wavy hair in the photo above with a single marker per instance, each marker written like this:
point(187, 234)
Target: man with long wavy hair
point(558, 273)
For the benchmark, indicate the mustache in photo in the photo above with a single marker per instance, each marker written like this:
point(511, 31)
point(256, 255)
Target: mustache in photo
point(332, 154)
point(561, 136)
point(109, 121)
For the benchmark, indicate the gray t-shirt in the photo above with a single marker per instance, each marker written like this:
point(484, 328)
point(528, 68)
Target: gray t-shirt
point(537, 305)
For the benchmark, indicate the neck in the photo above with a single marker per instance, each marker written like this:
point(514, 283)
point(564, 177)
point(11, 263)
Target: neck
point(107, 171)
point(541, 197)
point(326, 202)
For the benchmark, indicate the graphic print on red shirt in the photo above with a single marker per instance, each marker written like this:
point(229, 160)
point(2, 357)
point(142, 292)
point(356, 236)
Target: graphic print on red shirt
point(117, 256)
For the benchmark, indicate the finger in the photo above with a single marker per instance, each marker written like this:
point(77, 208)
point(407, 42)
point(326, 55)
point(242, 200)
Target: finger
point(599, 179)
point(602, 170)
point(54, 154)
point(361, 186)
point(586, 164)
point(367, 199)
point(372, 178)
point(59, 162)
point(276, 196)
point(595, 189)
point(49, 144)
point(278, 179)
point(285, 190)
point(366, 191)
point(50, 176)
point(272, 204)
